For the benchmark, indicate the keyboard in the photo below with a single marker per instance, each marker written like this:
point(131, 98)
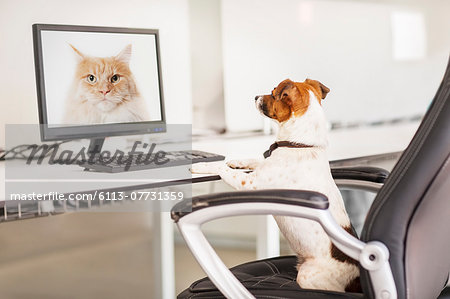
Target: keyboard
point(142, 162)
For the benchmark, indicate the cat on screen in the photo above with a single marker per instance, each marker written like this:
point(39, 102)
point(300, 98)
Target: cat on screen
point(104, 91)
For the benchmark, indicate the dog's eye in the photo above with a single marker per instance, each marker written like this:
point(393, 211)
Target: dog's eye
point(285, 95)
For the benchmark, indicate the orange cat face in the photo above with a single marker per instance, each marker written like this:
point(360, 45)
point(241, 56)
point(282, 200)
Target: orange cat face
point(105, 82)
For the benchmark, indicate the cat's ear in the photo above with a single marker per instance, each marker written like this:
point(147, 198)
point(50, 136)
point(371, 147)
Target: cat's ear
point(80, 55)
point(125, 55)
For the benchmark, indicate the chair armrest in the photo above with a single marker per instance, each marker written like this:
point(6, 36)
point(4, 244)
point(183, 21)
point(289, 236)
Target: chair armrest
point(362, 173)
point(373, 256)
point(303, 198)
point(360, 177)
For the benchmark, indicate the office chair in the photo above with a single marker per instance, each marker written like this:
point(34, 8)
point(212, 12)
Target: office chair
point(404, 249)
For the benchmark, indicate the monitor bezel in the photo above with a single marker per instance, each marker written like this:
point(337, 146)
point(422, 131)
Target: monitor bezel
point(94, 130)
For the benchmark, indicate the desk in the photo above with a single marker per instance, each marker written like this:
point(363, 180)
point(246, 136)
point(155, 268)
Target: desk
point(72, 179)
point(363, 141)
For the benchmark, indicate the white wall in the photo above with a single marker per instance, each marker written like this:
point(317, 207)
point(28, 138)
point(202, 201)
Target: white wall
point(206, 64)
point(17, 81)
point(347, 45)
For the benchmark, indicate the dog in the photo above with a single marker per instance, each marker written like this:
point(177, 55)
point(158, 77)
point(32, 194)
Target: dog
point(298, 160)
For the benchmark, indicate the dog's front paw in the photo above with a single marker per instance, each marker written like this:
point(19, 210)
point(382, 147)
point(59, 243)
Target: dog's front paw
point(237, 164)
point(205, 167)
point(244, 164)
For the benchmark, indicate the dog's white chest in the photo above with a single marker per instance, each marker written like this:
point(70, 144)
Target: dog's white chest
point(305, 169)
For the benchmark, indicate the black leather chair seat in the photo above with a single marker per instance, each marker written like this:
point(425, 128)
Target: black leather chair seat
point(269, 278)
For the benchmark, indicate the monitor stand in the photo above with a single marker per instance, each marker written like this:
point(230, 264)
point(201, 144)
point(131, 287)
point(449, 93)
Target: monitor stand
point(95, 148)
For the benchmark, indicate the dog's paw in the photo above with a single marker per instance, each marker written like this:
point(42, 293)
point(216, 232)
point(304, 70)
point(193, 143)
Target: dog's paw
point(205, 168)
point(250, 164)
point(236, 164)
point(241, 164)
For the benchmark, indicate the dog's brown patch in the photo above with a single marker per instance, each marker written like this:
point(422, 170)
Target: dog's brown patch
point(319, 90)
point(291, 98)
point(355, 285)
point(286, 99)
point(339, 255)
point(300, 101)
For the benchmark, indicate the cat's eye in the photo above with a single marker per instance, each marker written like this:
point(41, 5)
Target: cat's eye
point(91, 79)
point(115, 78)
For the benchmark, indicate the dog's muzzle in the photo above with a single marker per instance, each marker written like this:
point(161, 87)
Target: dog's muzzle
point(258, 103)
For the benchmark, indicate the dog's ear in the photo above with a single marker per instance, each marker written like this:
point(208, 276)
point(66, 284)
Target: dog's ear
point(319, 87)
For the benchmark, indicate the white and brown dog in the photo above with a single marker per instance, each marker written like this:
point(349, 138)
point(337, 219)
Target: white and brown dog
point(298, 160)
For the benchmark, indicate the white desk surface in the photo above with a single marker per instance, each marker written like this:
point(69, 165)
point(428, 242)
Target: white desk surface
point(344, 143)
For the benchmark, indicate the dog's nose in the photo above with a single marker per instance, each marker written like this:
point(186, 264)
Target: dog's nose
point(257, 97)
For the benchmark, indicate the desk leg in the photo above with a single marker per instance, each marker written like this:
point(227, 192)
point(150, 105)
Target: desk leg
point(268, 238)
point(163, 256)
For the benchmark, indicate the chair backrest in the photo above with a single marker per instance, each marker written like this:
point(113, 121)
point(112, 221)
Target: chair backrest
point(411, 213)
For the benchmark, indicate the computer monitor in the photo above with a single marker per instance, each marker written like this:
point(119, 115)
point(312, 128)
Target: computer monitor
point(94, 82)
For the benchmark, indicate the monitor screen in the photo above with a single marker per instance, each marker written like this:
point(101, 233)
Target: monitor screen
point(97, 81)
